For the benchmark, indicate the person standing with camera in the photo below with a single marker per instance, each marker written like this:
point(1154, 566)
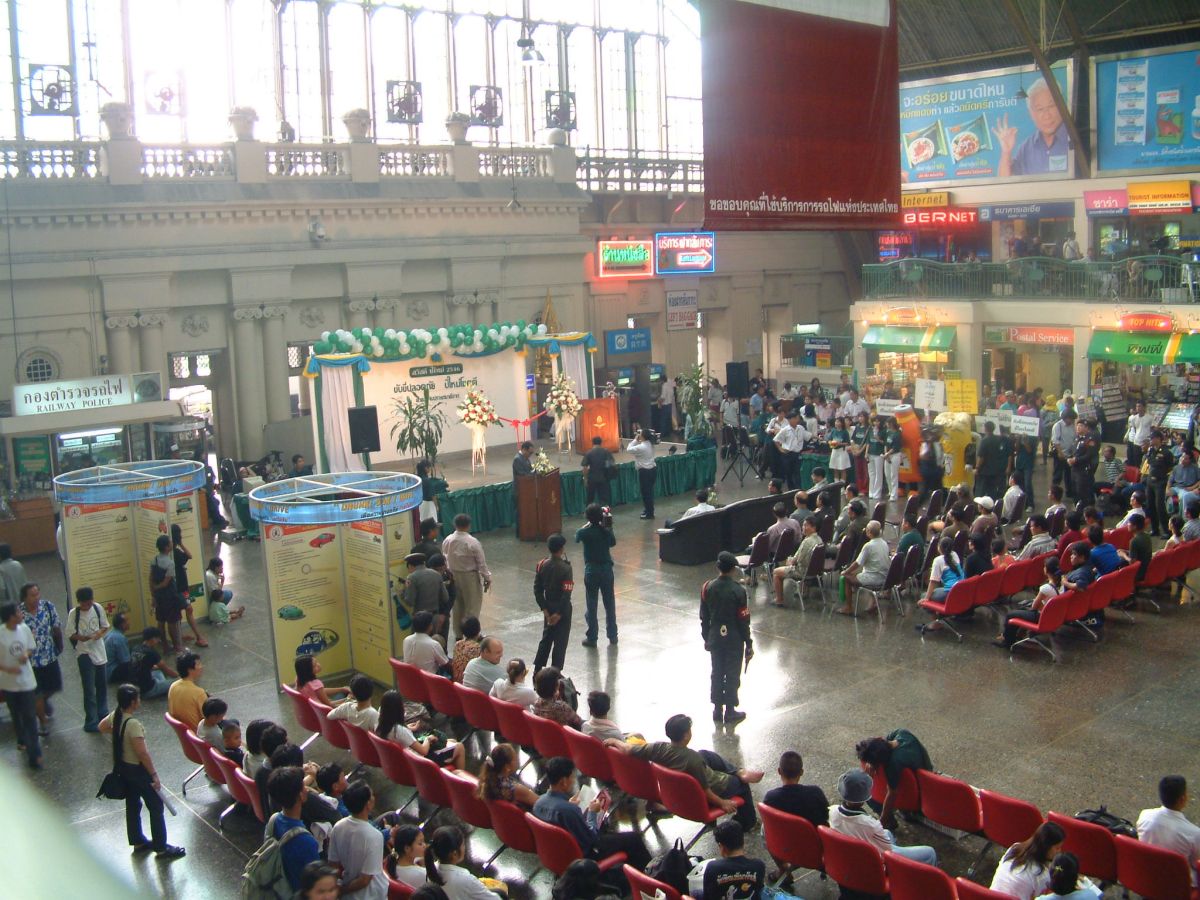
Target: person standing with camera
point(641, 448)
point(597, 538)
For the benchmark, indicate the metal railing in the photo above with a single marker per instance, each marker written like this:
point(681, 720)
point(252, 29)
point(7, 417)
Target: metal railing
point(409, 162)
point(615, 171)
point(49, 160)
point(1161, 279)
point(306, 161)
point(188, 161)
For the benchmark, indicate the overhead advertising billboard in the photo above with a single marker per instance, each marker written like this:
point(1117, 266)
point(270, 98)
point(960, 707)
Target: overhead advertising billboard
point(799, 114)
point(1145, 112)
point(978, 127)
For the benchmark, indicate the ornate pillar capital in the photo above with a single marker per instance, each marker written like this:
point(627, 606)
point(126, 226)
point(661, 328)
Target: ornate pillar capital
point(247, 313)
point(123, 321)
point(362, 305)
point(274, 312)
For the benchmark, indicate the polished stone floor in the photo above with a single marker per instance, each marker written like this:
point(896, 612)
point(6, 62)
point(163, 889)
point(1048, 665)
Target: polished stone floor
point(1101, 726)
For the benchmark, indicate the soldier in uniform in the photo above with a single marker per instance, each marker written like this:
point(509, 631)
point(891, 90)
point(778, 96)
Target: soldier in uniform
point(725, 628)
point(552, 589)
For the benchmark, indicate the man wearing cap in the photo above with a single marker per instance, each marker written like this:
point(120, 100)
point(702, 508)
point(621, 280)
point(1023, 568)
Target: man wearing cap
point(425, 590)
point(985, 518)
point(1158, 462)
point(725, 630)
point(849, 818)
point(1083, 462)
point(552, 585)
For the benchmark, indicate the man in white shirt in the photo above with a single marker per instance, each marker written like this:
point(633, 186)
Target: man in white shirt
point(481, 672)
point(853, 407)
point(666, 400)
point(789, 440)
point(849, 818)
point(869, 570)
point(702, 505)
point(1168, 827)
point(420, 649)
point(642, 452)
point(16, 678)
point(468, 565)
point(1137, 433)
point(86, 627)
point(357, 846)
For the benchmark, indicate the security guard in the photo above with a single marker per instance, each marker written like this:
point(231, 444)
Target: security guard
point(552, 587)
point(725, 628)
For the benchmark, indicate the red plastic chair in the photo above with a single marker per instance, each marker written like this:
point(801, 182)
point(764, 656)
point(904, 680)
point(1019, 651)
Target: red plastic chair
point(1119, 537)
point(911, 880)
point(634, 776)
point(236, 790)
point(557, 848)
point(331, 729)
point(1006, 821)
point(988, 590)
point(645, 886)
point(1153, 872)
point(202, 747)
point(950, 802)
point(409, 682)
point(464, 798)
point(398, 890)
point(1014, 578)
point(181, 732)
point(1077, 610)
point(246, 783)
point(304, 714)
point(960, 600)
point(477, 708)
point(442, 696)
point(392, 760)
point(589, 755)
point(430, 785)
point(512, 721)
point(908, 792)
point(548, 737)
point(684, 797)
point(1052, 617)
point(1091, 843)
point(361, 747)
point(853, 864)
point(791, 839)
point(1037, 574)
point(508, 821)
point(969, 890)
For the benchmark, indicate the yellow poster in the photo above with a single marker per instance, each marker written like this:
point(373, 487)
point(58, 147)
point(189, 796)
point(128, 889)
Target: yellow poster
point(398, 540)
point(100, 555)
point(308, 610)
point(962, 395)
point(367, 601)
point(184, 510)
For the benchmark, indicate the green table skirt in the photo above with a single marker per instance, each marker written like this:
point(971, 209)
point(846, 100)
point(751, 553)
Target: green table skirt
point(493, 506)
point(810, 461)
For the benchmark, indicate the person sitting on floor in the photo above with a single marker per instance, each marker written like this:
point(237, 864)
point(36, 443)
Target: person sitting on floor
point(358, 709)
point(849, 818)
point(1166, 826)
point(1024, 870)
point(890, 756)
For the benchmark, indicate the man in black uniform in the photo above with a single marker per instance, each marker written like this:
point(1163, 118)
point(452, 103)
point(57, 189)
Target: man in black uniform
point(552, 590)
point(1159, 461)
point(596, 464)
point(725, 628)
point(1084, 462)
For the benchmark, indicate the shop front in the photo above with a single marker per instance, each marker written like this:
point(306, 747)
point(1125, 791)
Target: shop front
point(1028, 229)
point(1145, 218)
point(935, 229)
point(904, 353)
point(1024, 357)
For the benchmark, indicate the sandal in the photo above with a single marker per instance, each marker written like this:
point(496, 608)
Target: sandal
point(200, 642)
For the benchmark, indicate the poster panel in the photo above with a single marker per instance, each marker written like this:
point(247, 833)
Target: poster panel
point(308, 612)
point(1145, 113)
point(780, 157)
point(149, 521)
point(683, 309)
point(975, 127)
point(501, 376)
point(399, 537)
point(184, 510)
point(100, 555)
point(368, 605)
point(962, 395)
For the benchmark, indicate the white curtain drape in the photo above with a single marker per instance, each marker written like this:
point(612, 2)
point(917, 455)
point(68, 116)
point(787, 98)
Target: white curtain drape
point(337, 396)
point(573, 361)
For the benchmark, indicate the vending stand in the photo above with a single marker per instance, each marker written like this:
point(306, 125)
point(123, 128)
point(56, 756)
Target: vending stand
point(112, 517)
point(333, 549)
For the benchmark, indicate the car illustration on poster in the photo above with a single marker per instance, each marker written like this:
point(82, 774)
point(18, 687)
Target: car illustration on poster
point(290, 613)
point(322, 539)
point(317, 641)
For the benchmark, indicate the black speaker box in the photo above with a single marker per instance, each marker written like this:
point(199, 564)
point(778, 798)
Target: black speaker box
point(737, 379)
point(364, 429)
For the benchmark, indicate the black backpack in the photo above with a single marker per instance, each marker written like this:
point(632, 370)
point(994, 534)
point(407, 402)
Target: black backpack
point(672, 867)
point(1105, 819)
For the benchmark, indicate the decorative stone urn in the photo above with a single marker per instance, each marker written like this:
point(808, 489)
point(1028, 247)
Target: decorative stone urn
point(556, 137)
point(358, 125)
point(118, 120)
point(457, 124)
point(241, 120)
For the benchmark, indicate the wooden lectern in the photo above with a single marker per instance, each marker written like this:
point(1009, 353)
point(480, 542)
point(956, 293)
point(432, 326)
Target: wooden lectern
point(598, 418)
point(539, 505)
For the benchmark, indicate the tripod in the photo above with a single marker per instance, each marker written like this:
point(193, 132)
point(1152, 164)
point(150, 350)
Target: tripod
point(741, 461)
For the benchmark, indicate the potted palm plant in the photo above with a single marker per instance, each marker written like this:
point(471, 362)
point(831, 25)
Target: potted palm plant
point(419, 426)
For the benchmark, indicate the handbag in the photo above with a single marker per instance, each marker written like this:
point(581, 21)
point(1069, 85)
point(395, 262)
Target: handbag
point(113, 785)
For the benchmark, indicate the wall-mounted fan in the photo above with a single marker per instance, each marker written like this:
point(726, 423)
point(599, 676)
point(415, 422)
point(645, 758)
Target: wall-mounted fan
point(404, 102)
point(51, 90)
point(560, 110)
point(487, 105)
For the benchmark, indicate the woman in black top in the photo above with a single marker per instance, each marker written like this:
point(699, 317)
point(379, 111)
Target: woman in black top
point(182, 555)
point(979, 560)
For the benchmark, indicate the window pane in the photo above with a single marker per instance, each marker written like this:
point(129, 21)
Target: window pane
point(389, 38)
point(432, 69)
point(42, 40)
point(99, 60)
point(616, 125)
point(179, 367)
point(631, 15)
point(511, 75)
point(581, 78)
point(203, 365)
point(302, 71)
point(645, 53)
point(470, 58)
point(576, 12)
point(157, 75)
point(205, 64)
point(544, 76)
point(347, 63)
point(682, 54)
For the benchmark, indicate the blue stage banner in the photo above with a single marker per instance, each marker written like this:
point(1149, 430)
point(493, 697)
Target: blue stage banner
point(1146, 110)
point(976, 127)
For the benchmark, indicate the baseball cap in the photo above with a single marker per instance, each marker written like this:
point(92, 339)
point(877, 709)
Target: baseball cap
point(854, 786)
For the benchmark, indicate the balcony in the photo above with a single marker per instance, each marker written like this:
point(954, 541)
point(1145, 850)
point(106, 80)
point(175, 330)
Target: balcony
point(1144, 279)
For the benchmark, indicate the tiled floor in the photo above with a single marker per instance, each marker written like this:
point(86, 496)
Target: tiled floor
point(1100, 727)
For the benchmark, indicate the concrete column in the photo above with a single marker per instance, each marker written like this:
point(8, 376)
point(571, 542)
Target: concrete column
point(252, 412)
point(122, 356)
point(457, 313)
point(275, 370)
point(154, 357)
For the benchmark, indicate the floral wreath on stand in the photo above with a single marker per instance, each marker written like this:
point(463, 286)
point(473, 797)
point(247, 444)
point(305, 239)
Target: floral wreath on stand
point(562, 399)
point(477, 409)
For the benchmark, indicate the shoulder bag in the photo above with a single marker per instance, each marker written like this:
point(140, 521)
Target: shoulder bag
point(113, 785)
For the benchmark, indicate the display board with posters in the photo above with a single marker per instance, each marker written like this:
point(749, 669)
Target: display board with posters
point(975, 127)
point(101, 555)
point(364, 561)
point(1144, 110)
point(399, 535)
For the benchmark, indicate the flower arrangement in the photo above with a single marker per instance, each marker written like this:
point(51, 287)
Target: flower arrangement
point(477, 409)
point(562, 399)
point(541, 463)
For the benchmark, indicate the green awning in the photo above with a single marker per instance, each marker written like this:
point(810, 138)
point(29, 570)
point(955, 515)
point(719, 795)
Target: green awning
point(1149, 349)
point(907, 339)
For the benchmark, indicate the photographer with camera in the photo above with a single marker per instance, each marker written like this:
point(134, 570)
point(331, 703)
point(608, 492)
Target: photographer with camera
point(641, 448)
point(597, 538)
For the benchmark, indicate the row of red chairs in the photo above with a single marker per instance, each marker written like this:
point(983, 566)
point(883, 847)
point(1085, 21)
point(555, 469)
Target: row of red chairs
point(1000, 820)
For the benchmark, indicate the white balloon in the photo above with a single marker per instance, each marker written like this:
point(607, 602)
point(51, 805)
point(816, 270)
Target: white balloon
point(478, 347)
point(390, 333)
point(357, 346)
point(443, 332)
point(378, 351)
point(324, 335)
point(404, 348)
point(401, 336)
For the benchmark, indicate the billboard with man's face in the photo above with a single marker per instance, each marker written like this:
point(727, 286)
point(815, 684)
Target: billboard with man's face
point(985, 126)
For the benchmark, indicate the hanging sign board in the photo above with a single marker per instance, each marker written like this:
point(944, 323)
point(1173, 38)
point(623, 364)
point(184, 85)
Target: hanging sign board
point(683, 308)
point(685, 253)
point(625, 259)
